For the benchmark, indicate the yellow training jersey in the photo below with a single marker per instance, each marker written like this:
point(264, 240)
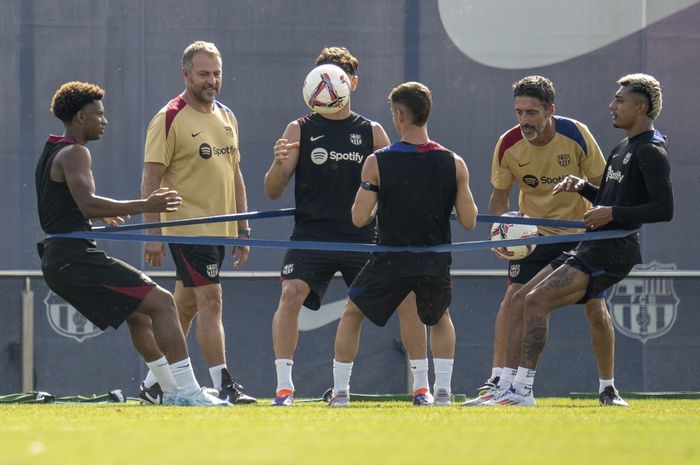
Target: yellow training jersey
point(202, 156)
point(537, 169)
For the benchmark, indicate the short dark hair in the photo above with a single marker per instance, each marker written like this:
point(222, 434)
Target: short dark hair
point(416, 97)
point(647, 86)
point(538, 87)
point(339, 56)
point(72, 96)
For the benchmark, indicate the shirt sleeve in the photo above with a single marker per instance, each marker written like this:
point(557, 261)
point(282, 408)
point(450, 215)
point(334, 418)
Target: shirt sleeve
point(501, 176)
point(159, 147)
point(655, 169)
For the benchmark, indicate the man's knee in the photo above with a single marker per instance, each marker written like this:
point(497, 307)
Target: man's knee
point(292, 297)
point(597, 314)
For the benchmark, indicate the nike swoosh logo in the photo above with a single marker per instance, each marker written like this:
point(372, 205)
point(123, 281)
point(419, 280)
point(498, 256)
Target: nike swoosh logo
point(314, 139)
point(524, 164)
point(470, 26)
point(195, 134)
point(328, 313)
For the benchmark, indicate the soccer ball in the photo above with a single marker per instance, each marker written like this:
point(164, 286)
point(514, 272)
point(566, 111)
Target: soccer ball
point(326, 89)
point(501, 231)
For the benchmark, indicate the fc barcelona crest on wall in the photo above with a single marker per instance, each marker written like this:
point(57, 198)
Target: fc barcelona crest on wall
point(644, 307)
point(67, 321)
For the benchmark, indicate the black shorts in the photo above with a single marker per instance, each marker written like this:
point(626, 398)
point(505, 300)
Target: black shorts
point(607, 262)
point(103, 289)
point(377, 295)
point(197, 265)
point(522, 271)
point(317, 267)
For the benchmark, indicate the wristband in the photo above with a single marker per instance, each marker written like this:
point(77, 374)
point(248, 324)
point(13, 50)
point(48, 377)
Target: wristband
point(245, 232)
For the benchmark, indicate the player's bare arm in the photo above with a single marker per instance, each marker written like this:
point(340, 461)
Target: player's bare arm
point(364, 207)
point(240, 253)
point(286, 156)
point(379, 136)
point(74, 165)
point(465, 207)
point(154, 252)
point(498, 202)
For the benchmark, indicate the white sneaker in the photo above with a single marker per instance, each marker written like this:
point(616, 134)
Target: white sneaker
point(340, 399)
point(198, 398)
point(443, 397)
point(510, 397)
point(486, 395)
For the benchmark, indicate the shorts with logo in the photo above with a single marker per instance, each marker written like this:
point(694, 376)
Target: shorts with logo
point(197, 265)
point(317, 267)
point(103, 289)
point(378, 295)
point(522, 271)
point(607, 262)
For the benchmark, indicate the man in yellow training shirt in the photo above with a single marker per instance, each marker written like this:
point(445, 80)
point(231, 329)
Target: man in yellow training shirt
point(192, 143)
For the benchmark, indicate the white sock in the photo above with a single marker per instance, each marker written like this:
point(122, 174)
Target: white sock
point(507, 376)
point(603, 383)
point(159, 372)
point(150, 377)
point(495, 373)
point(184, 376)
point(443, 373)
point(283, 366)
point(215, 373)
point(523, 381)
point(419, 369)
point(341, 376)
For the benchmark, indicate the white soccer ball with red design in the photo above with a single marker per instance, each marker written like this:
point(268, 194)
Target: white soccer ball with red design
point(326, 89)
point(505, 230)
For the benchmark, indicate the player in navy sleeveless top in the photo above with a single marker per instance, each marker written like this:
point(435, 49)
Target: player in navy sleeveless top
point(636, 189)
point(412, 186)
point(105, 290)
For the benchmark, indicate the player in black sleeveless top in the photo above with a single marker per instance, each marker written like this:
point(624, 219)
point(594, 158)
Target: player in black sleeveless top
point(412, 186)
point(105, 290)
point(636, 189)
point(325, 154)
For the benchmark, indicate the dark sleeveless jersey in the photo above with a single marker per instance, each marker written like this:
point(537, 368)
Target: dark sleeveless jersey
point(636, 182)
point(417, 192)
point(327, 176)
point(58, 211)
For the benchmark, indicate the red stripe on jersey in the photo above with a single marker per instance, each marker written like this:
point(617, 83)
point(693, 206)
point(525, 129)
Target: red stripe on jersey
point(58, 139)
point(427, 147)
point(174, 107)
point(139, 292)
point(509, 139)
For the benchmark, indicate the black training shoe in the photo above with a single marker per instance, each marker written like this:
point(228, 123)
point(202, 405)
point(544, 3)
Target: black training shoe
point(152, 395)
point(232, 391)
point(610, 396)
point(488, 386)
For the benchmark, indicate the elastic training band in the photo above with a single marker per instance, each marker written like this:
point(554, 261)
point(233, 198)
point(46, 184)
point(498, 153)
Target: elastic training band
point(343, 246)
point(290, 212)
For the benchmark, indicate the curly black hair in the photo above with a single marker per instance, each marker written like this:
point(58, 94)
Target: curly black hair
point(538, 87)
point(72, 96)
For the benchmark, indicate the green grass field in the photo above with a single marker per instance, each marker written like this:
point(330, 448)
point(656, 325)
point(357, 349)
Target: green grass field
point(558, 431)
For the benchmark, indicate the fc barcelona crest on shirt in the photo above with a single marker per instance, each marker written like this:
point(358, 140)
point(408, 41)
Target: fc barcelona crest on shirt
point(564, 159)
point(644, 307)
point(67, 321)
point(356, 139)
point(229, 131)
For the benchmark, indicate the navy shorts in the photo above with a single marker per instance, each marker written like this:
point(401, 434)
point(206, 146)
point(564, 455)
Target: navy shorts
point(607, 262)
point(317, 267)
point(522, 271)
point(377, 295)
point(197, 265)
point(103, 289)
